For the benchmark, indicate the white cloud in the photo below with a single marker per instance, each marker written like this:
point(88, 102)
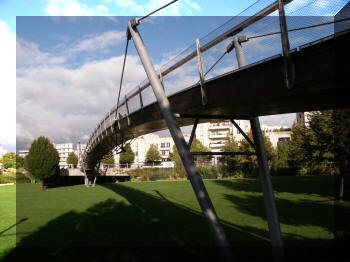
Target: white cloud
point(102, 8)
point(65, 104)
point(8, 85)
point(73, 8)
point(67, 7)
point(98, 42)
point(178, 8)
point(28, 54)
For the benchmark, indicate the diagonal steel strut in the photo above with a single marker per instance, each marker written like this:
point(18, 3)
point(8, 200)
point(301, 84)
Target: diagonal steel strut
point(182, 147)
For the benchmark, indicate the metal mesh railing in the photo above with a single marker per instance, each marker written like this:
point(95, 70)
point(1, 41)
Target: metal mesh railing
point(307, 21)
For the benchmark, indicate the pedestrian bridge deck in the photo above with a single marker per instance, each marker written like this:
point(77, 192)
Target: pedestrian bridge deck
point(255, 90)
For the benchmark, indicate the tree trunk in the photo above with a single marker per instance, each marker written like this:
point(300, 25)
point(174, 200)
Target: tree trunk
point(43, 187)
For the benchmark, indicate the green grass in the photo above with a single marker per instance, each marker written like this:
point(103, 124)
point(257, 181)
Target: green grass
point(166, 213)
point(7, 219)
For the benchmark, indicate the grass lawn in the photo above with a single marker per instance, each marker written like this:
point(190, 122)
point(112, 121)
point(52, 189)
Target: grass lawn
point(163, 214)
point(7, 219)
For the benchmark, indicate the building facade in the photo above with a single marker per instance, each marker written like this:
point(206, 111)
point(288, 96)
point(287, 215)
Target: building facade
point(214, 134)
point(63, 151)
point(141, 145)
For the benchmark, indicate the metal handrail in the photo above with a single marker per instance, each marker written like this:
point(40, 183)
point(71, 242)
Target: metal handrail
point(229, 33)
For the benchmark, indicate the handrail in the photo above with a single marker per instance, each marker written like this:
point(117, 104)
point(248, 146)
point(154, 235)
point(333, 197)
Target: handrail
point(137, 91)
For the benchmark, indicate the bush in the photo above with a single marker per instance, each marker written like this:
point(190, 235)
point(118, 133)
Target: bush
point(12, 177)
point(208, 172)
point(152, 174)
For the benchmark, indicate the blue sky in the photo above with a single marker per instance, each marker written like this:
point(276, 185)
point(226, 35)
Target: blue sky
point(68, 67)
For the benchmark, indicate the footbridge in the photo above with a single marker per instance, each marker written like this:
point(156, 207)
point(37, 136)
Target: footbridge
point(295, 67)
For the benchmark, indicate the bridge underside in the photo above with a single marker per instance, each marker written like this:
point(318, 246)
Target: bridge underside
point(255, 90)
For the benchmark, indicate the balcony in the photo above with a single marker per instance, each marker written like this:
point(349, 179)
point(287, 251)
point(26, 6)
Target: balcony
point(219, 127)
point(218, 136)
point(216, 145)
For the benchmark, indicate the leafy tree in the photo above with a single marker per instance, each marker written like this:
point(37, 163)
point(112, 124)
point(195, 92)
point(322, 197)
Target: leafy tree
point(232, 162)
point(128, 156)
point(341, 131)
point(178, 166)
point(19, 161)
point(299, 151)
point(72, 159)
point(196, 146)
point(312, 149)
point(281, 160)
point(108, 158)
point(250, 163)
point(42, 159)
point(9, 160)
point(153, 154)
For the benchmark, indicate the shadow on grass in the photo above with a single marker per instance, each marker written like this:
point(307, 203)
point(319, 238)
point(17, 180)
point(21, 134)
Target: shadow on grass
point(143, 228)
point(296, 213)
point(14, 225)
point(324, 186)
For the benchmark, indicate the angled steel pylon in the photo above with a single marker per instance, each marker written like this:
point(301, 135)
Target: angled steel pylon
point(181, 145)
point(269, 198)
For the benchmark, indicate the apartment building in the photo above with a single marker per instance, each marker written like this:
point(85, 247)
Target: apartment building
point(63, 151)
point(213, 135)
point(82, 149)
point(141, 145)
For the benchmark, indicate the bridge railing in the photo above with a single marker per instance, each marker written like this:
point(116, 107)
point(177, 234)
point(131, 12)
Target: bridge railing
point(307, 21)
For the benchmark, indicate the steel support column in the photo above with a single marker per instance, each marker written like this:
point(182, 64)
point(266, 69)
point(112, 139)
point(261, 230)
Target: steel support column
point(182, 147)
point(269, 199)
point(289, 70)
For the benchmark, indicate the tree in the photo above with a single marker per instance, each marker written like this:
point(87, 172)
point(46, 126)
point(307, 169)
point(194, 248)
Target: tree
point(153, 154)
point(19, 161)
point(281, 160)
point(42, 160)
point(232, 162)
point(178, 166)
point(250, 163)
point(72, 159)
point(128, 156)
point(341, 131)
point(9, 160)
point(196, 146)
point(108, 158)
point(312, 148)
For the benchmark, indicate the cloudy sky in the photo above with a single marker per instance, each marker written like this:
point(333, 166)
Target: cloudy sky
point(64, 58)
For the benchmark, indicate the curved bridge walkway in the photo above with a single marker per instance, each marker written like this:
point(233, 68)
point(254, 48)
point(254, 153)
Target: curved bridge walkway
point(303, 79)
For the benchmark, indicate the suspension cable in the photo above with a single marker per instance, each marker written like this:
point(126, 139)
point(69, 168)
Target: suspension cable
point(122, 75)
point(157, 10)
point(300, 28)
point(217, 61)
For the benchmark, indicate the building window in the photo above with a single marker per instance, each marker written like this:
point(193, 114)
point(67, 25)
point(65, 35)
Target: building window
point(164, 145)
point(283, 140)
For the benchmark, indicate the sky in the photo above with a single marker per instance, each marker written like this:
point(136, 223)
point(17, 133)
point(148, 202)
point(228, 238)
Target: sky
point(61, 59)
